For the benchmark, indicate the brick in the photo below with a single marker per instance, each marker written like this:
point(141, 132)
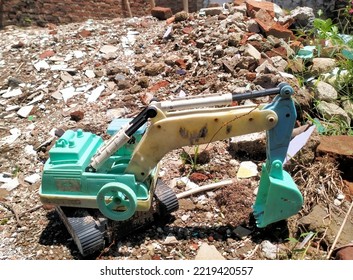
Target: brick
point(345, 253)
point(238, 2)
point(254, 6)
point(162, 13)
point(280, 31)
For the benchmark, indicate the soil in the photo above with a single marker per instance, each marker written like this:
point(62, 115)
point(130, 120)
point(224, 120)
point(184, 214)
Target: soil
point(30, 230)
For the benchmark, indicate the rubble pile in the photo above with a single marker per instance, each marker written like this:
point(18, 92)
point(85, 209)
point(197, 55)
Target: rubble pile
point(83, 75)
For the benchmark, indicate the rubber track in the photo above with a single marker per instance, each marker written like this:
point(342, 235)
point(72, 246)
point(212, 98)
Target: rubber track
point(167, 200)
point(84, 231)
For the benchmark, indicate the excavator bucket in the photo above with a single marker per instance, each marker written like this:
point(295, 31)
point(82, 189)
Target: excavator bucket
point(278, 197)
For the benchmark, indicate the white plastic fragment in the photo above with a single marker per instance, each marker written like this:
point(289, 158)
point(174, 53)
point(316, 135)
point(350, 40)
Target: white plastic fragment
point(298, 142)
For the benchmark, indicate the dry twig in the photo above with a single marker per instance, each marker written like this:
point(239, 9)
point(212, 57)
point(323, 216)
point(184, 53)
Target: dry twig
point(340, 231)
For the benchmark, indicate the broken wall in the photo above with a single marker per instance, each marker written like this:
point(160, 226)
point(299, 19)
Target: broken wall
point(27, 12)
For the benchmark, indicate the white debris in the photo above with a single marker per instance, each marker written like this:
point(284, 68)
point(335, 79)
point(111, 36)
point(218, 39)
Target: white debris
point(36, 99)
point(337, 202)
point(12, 93)
point(208, 252)
point(189, 184)
point(79, 54)
point(15, 133)
point(42, 64)
point(29, 150)
point(84, 88)
point(9, 186)
point(247, 169)
point(170, 239)
point(90, 74)
point(95, 93)
point(5, 177)
point(25, 111)
point(32, 179)
point(185, 217)
point(58, 67)
point(12, 108)
point(269, 250)
point(67, 93)
point(108, 49)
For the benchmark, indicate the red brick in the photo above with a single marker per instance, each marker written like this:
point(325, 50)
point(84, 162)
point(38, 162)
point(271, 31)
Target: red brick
point(254, 6)
point(238, 2)
point(162, 13)
point(280, 31)
point(46, 54)
point(158, 85)
point(345, 253)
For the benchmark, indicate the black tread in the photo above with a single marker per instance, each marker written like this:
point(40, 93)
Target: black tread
point(167, 200)
point(83, 228)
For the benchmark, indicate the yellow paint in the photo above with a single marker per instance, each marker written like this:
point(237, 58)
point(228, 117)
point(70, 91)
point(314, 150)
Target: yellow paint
point(169, 131)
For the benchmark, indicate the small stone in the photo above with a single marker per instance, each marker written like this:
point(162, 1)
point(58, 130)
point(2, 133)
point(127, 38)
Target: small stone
point(247, 169)
point(106, 49)
point(208, 252)
point(269, 250)
point(242, 232)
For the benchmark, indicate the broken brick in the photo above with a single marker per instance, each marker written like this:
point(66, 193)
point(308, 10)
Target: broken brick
point(46, 54)
point(162, 13)
point(77, 115)
point(254, 6)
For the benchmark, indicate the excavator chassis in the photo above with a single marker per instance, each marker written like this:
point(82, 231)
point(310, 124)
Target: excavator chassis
point(92, 232)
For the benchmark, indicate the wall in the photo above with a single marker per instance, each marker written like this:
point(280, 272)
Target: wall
point(26, 12)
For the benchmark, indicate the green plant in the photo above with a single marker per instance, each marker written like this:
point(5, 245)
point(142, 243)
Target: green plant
point(337, 126)
point(16, 170)
point(301, 245)
point(187, 158)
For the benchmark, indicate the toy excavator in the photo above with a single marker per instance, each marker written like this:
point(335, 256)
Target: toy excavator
point(108, 188)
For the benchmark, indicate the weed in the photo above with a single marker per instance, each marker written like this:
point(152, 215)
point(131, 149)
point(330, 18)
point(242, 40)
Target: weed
point(299, 248)
point(187, 158)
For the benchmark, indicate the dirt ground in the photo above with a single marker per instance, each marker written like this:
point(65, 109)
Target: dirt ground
point(221, 217)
